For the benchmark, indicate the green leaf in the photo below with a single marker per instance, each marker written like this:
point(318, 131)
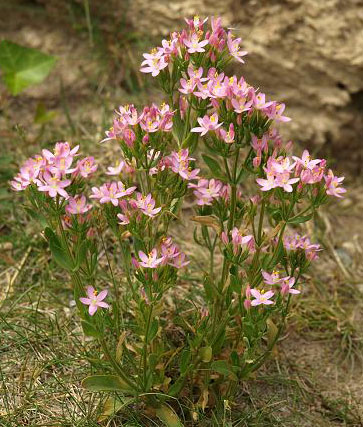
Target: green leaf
point(153, 330)
point(300, 219)
point(59, 254)
point(168, 416)
point(106, 383)
point(22, 66)
point(206, 354)
point(184, 361)
point(222, 367)
point(213, 166)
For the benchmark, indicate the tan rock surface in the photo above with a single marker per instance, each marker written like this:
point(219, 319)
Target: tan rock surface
point(307, 53)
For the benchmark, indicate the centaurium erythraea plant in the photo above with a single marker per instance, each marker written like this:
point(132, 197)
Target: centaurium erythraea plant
point(250, 195)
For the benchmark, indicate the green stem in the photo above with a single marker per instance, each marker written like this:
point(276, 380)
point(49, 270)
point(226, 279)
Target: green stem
point(145, 345)
point(115, 365)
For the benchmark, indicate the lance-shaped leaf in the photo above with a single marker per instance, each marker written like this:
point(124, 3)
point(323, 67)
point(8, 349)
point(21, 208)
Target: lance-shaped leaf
point(106, 383)
point(168, 416)
point(22, 67)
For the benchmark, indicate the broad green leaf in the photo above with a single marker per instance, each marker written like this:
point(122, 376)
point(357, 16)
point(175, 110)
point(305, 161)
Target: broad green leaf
point(106, 383)
point(22, 67)
point(168, 416)
point(206, 354)
point(59, 254)
point(214, 166)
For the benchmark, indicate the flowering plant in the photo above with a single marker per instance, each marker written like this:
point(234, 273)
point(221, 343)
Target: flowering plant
point(249, 195)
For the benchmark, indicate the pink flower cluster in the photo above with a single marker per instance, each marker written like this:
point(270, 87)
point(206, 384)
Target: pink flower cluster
point(296, 242)
point(49, 171)
point(208, 190)
point(179, 162)
point(170, 255)
point(111, 192)
point(133, 208)
point(239, 240)
point(152, 119)
point(286, 282)
point(192, 41)
point(304, 169)
point(238, 95)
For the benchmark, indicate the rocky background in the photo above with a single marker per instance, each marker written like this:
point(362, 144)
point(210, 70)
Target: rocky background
point(306, 53)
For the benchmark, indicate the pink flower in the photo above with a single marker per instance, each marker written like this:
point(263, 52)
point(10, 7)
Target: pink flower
point(261, 297)
point(117, 169)
point(111, 192)
point(147, 205)
point(155, 62)
point(78, 205)
point(227, 137)
point(278, 175)
point(274, 112)
point(286, 285)
point(124, 220)
point(86, 166)
point(194, 44)
point(332, 184)
point(283, 180)
point(271, 279)
point(207, 123)
point(61, 165)
point(94, 300)
point(179, 261)
point(306, 161)
point(259, 101)
point(234, 48)
point(241, 104)
point(238, 240)
point(169, 250)
point(187, 86)
point(195, 23)
point(266, 184)
point(151, 260)
point(54, 185)
point(179, 163)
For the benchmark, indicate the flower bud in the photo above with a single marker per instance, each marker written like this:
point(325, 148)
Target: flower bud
point(248, 291)
point(204, 312)
point(135, 262)
point(224, 238)
point(215, 103)
point(255, 199)
point(247, 304)
point(285, 289)
point(129, 137)
point(257, 161)
point(145, 139)
point(288, 146)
